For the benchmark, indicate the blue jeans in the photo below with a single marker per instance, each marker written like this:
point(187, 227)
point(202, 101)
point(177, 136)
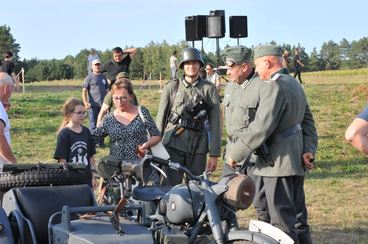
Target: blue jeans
point(93, 112)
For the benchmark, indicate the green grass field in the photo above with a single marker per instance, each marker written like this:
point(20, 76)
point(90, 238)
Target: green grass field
point(336, 190)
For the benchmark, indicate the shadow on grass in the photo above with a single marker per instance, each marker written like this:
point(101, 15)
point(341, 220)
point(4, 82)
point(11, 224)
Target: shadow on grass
point(357, 168)
point(341, 235)
point(40, 130)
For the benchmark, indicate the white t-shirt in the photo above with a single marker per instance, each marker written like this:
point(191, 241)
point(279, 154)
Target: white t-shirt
point(5, 119)
point(173, 61)
point(213, 78)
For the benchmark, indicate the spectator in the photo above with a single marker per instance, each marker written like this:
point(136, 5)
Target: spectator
point(184, 135)
point(174, 65)
point(92, 56)
point(286, 60)
point(357, 132)
point(8, 67)
point(298, 65)
point(213, 76)
point(94, 91)
point(121, 80)
point(124, 126)
point(118, 63)
point(6, 88)
point(74, 141)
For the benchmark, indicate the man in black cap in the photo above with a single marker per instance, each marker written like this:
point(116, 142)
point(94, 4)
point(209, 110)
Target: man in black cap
point(283, 127)
point(184, 106)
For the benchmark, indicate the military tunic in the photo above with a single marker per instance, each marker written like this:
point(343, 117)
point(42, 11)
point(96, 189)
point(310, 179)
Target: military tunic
point(190, 141)
point(266, 109)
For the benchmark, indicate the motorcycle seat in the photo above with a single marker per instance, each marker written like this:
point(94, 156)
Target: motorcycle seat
point(150, 193)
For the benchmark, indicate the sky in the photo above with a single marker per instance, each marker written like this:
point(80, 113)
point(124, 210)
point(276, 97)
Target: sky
point(47, 29)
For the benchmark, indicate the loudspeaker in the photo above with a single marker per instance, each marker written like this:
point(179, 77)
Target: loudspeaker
point(195, 27)
point(216, 24)
point(190, 28)
point(238, 26)
point(201, 26)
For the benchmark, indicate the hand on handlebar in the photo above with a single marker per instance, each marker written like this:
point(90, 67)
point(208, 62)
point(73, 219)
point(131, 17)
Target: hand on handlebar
point(211, 164)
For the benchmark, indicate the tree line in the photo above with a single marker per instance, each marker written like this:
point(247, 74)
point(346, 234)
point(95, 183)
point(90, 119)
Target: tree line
point(153, 59)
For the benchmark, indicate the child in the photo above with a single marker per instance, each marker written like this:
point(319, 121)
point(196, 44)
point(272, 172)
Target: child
point(74, 141)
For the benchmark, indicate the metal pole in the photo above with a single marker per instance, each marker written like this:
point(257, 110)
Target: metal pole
point(238, 41)
point(218, 51)
point(23, 81)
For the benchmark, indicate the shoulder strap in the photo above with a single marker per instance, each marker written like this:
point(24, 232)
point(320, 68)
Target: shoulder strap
point(141, 114)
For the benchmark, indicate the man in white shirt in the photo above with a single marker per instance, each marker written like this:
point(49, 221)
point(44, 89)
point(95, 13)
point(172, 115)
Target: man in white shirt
point(6, 89)
point(174, 65)
point(213, 77)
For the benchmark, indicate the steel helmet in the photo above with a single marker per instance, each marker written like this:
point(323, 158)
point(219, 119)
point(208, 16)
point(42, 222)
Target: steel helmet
point(191, 54)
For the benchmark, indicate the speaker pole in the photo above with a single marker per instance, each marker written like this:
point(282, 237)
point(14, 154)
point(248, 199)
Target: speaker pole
point(193, 44)
point(238, 41)
point(218, 51)
point(202, 49)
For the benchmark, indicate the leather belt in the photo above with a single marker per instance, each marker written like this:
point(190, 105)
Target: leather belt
point(284, 134)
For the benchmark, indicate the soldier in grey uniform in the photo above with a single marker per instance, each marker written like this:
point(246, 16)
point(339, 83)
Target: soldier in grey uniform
point(283, 134)
point(184, 106)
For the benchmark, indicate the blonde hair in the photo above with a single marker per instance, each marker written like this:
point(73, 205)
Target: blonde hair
point(67, 110)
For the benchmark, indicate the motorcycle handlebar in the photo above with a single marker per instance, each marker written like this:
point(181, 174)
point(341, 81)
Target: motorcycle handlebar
point(175, 166)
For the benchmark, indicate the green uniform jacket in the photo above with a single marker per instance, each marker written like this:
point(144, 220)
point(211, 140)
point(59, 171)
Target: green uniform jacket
point(282, 105)
point(185, 96)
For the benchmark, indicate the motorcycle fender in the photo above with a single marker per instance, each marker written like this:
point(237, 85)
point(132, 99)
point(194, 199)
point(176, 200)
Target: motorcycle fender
point(270, 230)
point(246, 235)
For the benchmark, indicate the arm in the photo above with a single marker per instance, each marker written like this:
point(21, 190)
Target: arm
point(85, 98)
point(357, 133)
point(5, 150)
point(270, 111)
point(131, 51)
point(104, 109)
point(163, 109)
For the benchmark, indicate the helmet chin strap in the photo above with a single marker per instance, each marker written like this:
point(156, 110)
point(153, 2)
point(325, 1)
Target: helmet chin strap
point(191, 78)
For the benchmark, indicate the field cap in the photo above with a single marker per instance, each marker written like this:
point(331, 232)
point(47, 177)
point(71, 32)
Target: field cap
point(122, 75)
point(237, 55)
point(267, 50)
point(96, 61)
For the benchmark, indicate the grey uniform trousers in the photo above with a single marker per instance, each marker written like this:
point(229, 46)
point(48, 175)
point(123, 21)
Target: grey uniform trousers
point(280, 201)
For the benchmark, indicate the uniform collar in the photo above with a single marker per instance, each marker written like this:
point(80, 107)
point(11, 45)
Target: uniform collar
point(187, 84)
point(245, 83)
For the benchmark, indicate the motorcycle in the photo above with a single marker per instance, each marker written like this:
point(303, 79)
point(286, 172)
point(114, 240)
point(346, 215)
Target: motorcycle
point(198, 211)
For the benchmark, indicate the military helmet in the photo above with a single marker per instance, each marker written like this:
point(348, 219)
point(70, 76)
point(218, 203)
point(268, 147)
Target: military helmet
point(191, 54)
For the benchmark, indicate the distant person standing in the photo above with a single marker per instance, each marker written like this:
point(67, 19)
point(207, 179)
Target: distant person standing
point(213, 76)
point(298, 65)
point(6, 88)
point(120, 62)
point(92, 56)
point(286, 60)
point(174, 65)
point(94, 91)
point(8, 67)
